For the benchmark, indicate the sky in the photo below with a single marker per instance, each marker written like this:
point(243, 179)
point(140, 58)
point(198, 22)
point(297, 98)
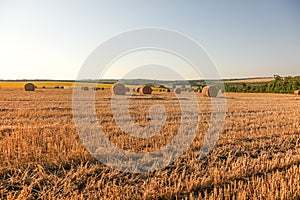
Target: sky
point(51, 39)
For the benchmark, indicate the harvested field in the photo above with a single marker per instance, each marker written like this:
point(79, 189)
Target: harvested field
point(252, 80)
point(257, 155)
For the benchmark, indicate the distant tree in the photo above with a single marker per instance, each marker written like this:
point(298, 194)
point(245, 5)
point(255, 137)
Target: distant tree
point(277, 78)
point(278, 85)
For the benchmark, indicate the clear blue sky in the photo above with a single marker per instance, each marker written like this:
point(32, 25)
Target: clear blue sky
point(52, 38)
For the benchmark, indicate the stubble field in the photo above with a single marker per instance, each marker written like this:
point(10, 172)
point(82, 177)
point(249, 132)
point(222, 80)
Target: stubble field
point(257, 155)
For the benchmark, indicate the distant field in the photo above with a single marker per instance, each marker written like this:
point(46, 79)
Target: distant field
point(46, 84)
point(252, 80)
point(53, 84)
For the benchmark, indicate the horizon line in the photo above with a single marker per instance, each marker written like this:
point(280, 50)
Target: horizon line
point(116, 79)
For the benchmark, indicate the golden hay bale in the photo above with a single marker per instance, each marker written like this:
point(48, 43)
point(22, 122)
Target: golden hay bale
point(119, 89)
point(297, 92)
point(221, 91)
point(138, 89)
point(177, 90)
point(146, 89)
point(29, 87)
point(210, 91)
point(85, 88)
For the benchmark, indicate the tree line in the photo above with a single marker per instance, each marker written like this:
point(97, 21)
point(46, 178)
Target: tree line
point(285, 85)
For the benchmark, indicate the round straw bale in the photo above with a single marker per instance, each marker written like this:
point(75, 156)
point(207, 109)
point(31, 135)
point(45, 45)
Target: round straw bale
point(210, 91)
point(29, 87)
point(204, 90)
point(297, 92)
point(138, 89)
point(146, 89)
point(177, 90)
point(119, 89)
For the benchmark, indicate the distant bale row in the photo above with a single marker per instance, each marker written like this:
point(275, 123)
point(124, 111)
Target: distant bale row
point(297, 92)
point(85, 88)
point(177, 90)
point(98, 88)
point(32, 87)
point(165, 90)
point(120, 89)
point(143, 90)
point(185, 90)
